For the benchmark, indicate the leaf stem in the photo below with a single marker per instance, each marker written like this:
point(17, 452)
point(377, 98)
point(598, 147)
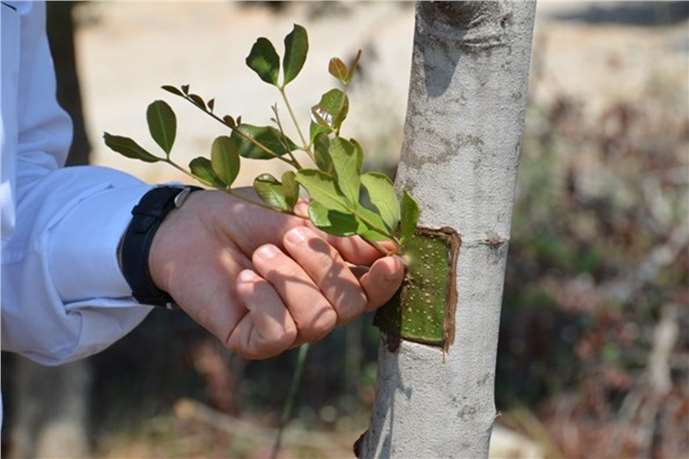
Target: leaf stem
point(379, 247)
point(226, 190)
point(291, 396)
point(282, 131)
point(239, 132)
point(179, 168)
point(374, 227)
point(251, 201)
point(294, 120)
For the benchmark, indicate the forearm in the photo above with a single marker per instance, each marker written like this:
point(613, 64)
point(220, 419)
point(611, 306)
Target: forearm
point(63, 295)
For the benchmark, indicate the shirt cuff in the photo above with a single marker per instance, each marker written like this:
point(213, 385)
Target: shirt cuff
point(83, 251)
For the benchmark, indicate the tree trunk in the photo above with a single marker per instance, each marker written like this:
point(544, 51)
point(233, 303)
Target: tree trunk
point(465, 118)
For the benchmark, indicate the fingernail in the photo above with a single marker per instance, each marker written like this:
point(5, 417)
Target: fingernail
point(296, 235)
point(246, 276)
point(267, 251)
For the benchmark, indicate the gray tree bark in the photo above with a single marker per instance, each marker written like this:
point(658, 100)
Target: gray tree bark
point(465, 118)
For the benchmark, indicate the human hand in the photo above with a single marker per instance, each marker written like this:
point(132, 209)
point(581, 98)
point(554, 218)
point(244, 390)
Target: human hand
point(262, 281)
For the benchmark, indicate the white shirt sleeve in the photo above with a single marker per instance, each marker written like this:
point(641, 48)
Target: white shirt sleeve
point(63, 295)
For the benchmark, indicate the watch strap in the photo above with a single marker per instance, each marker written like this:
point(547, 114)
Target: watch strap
point(147, 216)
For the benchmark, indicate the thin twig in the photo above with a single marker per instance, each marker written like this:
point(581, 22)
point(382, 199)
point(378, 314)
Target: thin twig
point(192, 410)
point(232, 193)
point(239, 132)
point(255, 203)
point(294, 120)
point(282, 136)
point(291, 395)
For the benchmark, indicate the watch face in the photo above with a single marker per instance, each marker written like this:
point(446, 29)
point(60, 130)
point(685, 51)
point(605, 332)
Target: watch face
point(182, 196)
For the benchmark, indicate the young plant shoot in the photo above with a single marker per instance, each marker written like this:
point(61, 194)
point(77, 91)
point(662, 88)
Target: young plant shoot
point(423, 309)
point(334, 185)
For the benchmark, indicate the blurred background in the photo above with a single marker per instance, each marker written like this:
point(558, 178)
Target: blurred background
point(594, 345)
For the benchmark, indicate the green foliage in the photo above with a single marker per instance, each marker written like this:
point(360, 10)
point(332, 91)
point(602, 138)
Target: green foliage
point(323, 188)
point(333, 221)
point(373, 227)
point(266, 136)
point(296, 48)
point(172, 89)
point(333, 188)
point(162, 124)
point(291, 189)
point(382, 195)
point(338, 69)
point(315, 129)
point(282, 196)
point(129, 148)
point(202, 169)
point(321, 151)
point(347, 163)
point(332, 110)
point(264, 60)
point(409, 217)
point(225, 159)
point(198, 101)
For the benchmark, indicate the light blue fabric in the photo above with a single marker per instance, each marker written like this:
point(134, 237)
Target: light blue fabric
point(63, 296)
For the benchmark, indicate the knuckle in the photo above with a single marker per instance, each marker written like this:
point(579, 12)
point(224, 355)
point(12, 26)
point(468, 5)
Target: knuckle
point(355, 305)
point(320, 324)
point(276, 343)
point(290, 334)
point(233, 345)
point(264, 254)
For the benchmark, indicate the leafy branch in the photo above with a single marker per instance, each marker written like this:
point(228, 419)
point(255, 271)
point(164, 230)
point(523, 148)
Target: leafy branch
point(336, 183)
point(335, 186)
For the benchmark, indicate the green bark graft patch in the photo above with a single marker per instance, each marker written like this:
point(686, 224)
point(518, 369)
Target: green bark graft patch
point(423, 310)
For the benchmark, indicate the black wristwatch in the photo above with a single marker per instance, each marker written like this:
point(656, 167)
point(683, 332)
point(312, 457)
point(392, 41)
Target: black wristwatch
point(135, 246)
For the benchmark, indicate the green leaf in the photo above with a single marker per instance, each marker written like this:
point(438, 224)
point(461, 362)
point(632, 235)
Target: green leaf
point(347, 168)
point(270, 190)
point(315, 129)
point(211, 104)
point(372, 226)
point(382, 194)
point(290, 188)
point(172, 90)
point(162, 124)
point(229, 121)
point(268, 136)
point(202, 169)
point(225, 159)
point(338, 69)
point(332, 109)
point(198, 101)
point(127, 147)
point(409, 217)
point(322, 156)
point(333, 221)
point(359, 154)
point(264, 60)
point(185, 88)
point(322, 188)
point(296, 47)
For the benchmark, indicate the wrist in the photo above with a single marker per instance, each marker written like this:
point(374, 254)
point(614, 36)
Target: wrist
point(148, 217)
point(161, 251)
